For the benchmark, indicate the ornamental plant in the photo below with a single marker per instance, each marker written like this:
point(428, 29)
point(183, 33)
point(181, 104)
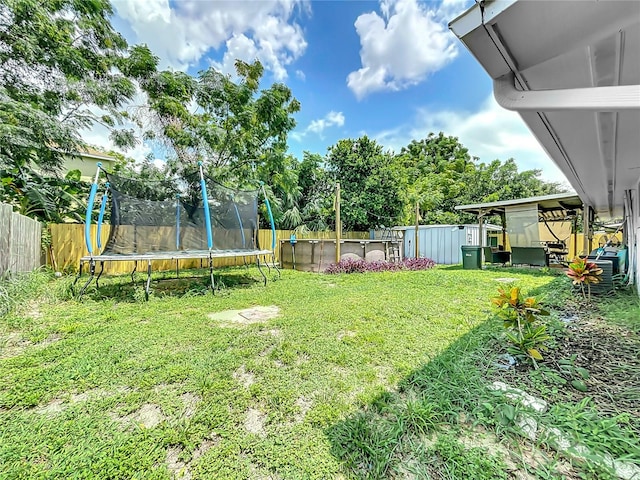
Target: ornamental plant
point(520, 316)
point(361, 266)
point(582, 273)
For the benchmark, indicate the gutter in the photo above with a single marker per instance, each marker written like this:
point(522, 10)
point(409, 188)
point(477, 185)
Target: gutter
point(599, 99)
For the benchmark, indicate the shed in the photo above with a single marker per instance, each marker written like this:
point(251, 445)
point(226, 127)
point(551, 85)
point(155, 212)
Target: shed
point(442, 243)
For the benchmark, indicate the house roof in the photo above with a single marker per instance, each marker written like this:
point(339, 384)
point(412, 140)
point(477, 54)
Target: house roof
point(571, 69)
point(551, 207)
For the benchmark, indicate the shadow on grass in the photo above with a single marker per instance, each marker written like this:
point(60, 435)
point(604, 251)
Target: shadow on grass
point(390, 437)
point(165, 284)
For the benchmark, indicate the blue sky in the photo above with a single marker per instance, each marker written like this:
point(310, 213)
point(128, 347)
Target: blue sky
point(389, 69)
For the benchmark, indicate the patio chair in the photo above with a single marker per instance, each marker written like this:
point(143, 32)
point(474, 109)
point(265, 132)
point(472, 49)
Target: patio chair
point(537, 256)
point(496, 256)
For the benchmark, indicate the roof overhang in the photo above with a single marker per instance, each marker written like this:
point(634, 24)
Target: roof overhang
point(571, 69)
point(555, 207)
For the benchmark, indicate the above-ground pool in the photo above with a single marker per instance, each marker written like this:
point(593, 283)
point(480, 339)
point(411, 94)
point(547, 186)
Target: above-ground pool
point(310, 255)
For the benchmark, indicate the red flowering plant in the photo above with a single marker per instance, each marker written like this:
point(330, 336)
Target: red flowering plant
point(583, 272)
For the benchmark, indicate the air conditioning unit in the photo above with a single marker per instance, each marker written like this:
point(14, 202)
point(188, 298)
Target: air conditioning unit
point(606, 284)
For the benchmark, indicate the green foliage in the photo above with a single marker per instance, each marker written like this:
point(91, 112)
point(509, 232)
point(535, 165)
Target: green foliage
point(370, 183)
point(584, 273)
point(380, 188)
point(47, 198)
point(105, 358)
point(316, 193)
point(238, 130)
point(17, 290)
point(57, 59)
point(453, 460)
point(601, 434)
point(520, 317)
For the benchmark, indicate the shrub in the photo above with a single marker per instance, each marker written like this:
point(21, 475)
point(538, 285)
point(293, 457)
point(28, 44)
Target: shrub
point(582, 273)
point(520, 316)
point(361, 266)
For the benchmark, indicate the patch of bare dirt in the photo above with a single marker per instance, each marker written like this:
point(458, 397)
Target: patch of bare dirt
point(190, 402)
point(180, 469)
point(246, 379)
point(54, 407)
point(147, 416)
point(304, 405)
point(342, 334)
point(15, 345)
point(248, 316)
point(33, 310)
point(254, 422)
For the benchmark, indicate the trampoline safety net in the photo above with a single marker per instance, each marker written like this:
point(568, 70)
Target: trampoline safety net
point(148, 218)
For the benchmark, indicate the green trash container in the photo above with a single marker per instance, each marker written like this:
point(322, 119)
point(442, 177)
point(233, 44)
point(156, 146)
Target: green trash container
point(471, 257)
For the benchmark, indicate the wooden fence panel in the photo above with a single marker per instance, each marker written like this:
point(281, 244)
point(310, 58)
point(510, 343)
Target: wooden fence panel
point(68, 246)
point(5, 235)
point(20, 242)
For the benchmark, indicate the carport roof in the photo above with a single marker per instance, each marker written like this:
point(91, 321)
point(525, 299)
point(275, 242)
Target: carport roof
point(551, 207)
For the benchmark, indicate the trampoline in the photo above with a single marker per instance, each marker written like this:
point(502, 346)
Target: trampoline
point(177, 219)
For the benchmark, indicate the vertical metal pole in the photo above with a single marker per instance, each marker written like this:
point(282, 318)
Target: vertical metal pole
point(574, 225)
point(338, 223)
point(417, 239)
point(480, 233)
point(585, 229)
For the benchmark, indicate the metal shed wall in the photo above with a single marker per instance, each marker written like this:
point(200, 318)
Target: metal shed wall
point(442, 243)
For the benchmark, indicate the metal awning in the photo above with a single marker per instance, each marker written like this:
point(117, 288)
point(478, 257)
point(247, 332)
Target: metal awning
point(571, 69)
point(554, 207)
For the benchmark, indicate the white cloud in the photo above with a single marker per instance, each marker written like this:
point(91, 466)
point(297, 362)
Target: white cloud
point(181, 33)
point(331, 119)
point(403, 46)
point(489, 133)
point(300, 75)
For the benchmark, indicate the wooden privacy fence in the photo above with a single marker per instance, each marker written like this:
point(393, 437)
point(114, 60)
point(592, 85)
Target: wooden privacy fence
point(67, 247)
point(20, 241)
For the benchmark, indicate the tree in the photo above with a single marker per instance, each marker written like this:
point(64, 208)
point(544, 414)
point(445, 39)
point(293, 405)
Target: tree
point(316, 192)
point(435, 169)
point(58, 58)
point(499, 180)
point(61, 70)
point(370, 183)
point(233, 126)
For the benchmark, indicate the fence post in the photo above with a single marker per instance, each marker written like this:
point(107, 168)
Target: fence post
point(338, 223)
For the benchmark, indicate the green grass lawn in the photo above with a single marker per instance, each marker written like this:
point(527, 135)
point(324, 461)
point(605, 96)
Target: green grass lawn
point(342, 383)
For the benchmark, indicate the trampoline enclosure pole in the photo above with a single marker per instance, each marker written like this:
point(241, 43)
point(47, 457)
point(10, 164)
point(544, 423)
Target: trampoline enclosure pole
point(273, 227)
point(177, 222)
point(87, 220)
point(103, 207)
point(205, 203)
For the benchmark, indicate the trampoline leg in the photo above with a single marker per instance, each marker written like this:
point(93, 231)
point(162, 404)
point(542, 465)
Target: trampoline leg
point(100, 273)
point(261, 271)
point(275, 264)
point(135, 267)
point(92, 272)
point(268, 266)
point(177, 269)
point(213, 285)
point(73, 285)
point(148, 284)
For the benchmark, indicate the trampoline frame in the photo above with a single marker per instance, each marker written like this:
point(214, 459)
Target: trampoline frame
point(149, 257)
point(182, 255)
